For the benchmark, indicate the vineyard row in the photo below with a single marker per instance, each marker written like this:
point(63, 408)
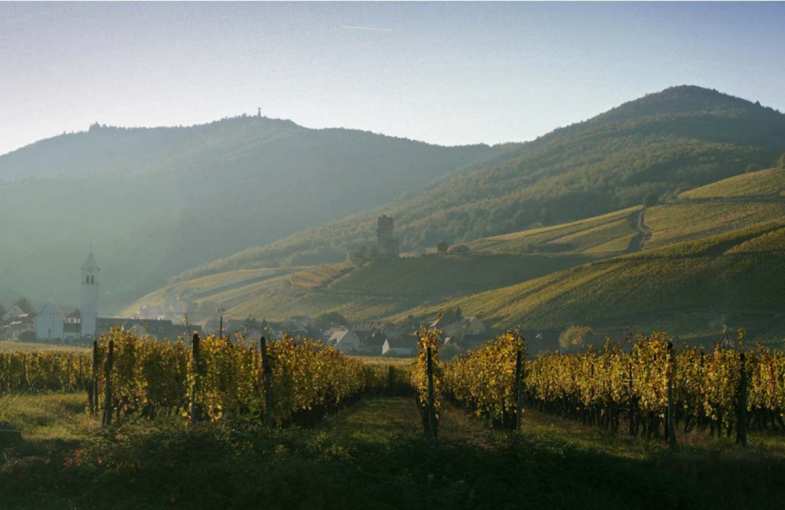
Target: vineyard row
point(649, 387)
point(211, 379)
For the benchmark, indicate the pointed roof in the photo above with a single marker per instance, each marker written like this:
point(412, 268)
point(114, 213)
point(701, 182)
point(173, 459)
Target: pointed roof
point(90, 265)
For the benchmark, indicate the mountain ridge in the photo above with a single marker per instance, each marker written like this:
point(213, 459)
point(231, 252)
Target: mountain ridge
point(149, 133)
point(617, 159)
point(158, 201)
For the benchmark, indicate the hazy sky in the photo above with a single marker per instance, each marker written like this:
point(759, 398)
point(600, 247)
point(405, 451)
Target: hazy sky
point(444, 73)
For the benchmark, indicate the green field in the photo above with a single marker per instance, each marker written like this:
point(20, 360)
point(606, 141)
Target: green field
point(369, 455)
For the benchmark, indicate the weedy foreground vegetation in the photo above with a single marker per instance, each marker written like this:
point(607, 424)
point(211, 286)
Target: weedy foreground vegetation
point(369, 455)
point(370, 452)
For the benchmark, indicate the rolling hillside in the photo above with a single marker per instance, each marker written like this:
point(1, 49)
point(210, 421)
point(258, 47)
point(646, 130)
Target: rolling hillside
point(155, 202)
point(693, 288)
point(636, 228)
point(644, 151)
point(721, 206)
point(713, 258)
point(637, 267)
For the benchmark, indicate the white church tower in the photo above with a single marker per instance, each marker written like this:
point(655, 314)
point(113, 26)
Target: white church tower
point(88, 309)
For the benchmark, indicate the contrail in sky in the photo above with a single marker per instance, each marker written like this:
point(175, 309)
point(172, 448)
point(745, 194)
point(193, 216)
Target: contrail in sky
point(366, 28)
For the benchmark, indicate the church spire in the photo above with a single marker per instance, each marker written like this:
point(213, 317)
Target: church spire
point(90, 265)
point(88, 307)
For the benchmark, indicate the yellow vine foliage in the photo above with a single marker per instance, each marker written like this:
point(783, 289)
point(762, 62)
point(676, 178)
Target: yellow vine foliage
point(705, 386)
point(484, 379)
point(429, 338)
point(43, 371)
point(151, 376)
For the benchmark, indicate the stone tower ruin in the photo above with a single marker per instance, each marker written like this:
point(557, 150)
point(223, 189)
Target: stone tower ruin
point(386, 243)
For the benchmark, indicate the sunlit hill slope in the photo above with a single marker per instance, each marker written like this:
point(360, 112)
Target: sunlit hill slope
point(691, 265)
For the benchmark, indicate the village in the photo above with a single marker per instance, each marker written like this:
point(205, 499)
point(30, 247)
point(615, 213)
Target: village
point(369, 338)
point(51, 323)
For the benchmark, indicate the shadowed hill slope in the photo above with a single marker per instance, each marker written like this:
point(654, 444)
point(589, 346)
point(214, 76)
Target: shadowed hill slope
point(158, 201)
point(643, 151)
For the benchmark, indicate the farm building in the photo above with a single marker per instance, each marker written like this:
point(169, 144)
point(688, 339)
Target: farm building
point(405, 345)
point(49, 323)
point(343, 339)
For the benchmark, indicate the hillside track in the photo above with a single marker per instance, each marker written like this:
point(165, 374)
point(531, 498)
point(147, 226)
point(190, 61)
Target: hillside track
point(642, 234)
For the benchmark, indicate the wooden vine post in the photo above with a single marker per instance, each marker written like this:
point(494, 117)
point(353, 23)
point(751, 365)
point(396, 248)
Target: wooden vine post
point(670, 427)
point(267, 386)
point(92, 386)
point(631, 423)
point(390, 390)
point(518, 389)
point(431, 431)
point(196, 389)
point(108, 365)
point(741, 404)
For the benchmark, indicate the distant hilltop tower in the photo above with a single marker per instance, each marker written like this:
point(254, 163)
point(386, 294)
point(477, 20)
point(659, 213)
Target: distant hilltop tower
point(386, 243)
point(88, 308)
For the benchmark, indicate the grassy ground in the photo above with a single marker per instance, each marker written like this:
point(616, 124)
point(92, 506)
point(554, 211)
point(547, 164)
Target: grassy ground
point(14, 346)
point(368, 456)
point(385, 360)
point(55, 418)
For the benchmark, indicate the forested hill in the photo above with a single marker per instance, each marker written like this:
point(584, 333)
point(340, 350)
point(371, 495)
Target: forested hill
point(645, 150)
point(157, 201)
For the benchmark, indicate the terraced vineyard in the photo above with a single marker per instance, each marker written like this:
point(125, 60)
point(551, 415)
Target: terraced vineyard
point(607, 234)
point(380, 288)
point(763, 183)
point(727, 205)
point(692, 286)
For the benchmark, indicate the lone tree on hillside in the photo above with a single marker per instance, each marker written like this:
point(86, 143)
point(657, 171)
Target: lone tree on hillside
point(651, 199)
point(576, 338)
